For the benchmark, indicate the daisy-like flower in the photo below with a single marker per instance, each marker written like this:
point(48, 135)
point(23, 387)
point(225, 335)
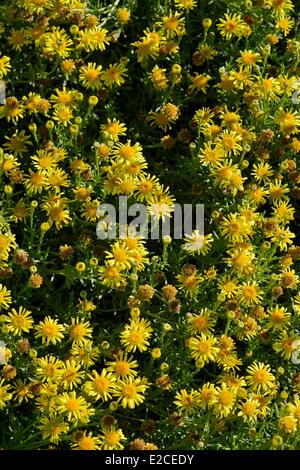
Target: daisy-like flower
point(85, 353)
point(231, 25)
point(120, 255)
point(172, 24)
point(5, 66)
point(211, 155)
point(280, 6)
point(17, 143)
point(198, 243)
point(203, 349)
point(87, 442)
point(5, 297)
point(224, 401)
point(111, 275)
point(57, 42)
point(248, 58)
point(113, 129)
point(188, 402)
point(112, 438)
point(288, 344)
point(207, 395)
point(114, 75)
point(202, 322)
point(249, 410)
point(278, 317)
point(52, 428)
point(19, 321)
point(135, 335)
point(79, 330)
point(236, 228)
point(284, 24)
point(199, 82)
point(63, 114)
point(228, 286)
point(90, 75)
point(186, 4)
point(5, 395)
point(73, 406)
point(123, 365)
point(259, 377)
point(249, 293)
point(50, 331)
point(288, 424)
point(230, 142)
point(100, 386)
point(70, 374)
point(48, 368)
point(130, 392)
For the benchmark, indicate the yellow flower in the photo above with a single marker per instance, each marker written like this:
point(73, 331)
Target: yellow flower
point(201, 322)
point(130, 392)
point(285, 24)
point(114, 75)
point(5, 396)
point(19, 321)
point(279, 6)
point(120, 255)
point(207, 395)
point(228, 286)
point(50, 331)
point(230, 142)
point(231, 25)
point(111, 275)
point(135, 335)
point(48, 368)
point(73, 406)
point(52, 428)
point(122, 366)
point(63, 114)
point(172, 25)
point(199, 82)
point(100, 386)
point(278, 317)
point(249, 410)
point(236, 228)
point(288, 424)
point(90, 75)
point(260, 378)
point(262, 172)
point(203, 349)
point(5, 66)
point(197, 243)
point(79, 330)
point(187, 402)
point(57, 42)
point(225, 400)
point(186, 4)
point(70, 377)
point(122, 15)
point(85, 353)
point(87, 442)
point(112, 438)
point(5, 297)
point(248, 58)
point(249, 293)
point(113, 129)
